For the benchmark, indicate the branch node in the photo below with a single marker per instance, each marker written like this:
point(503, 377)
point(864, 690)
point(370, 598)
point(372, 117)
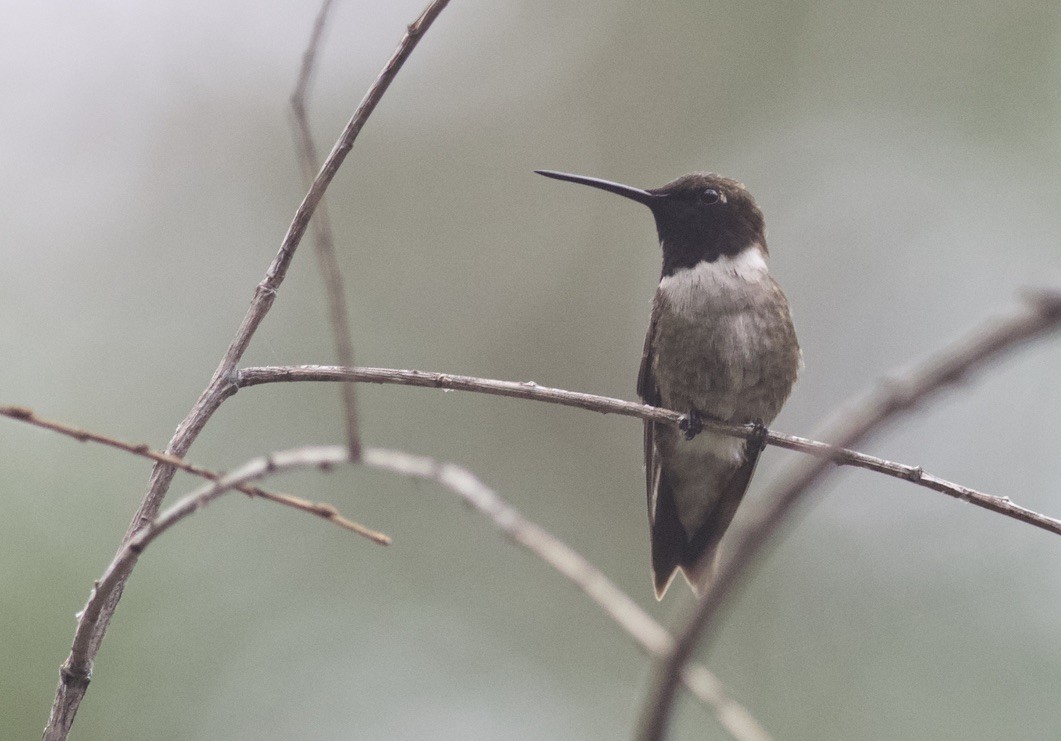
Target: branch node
point(78, 678)
point(232, 380)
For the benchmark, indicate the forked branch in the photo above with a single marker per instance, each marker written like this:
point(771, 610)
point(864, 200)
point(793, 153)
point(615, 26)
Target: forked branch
point(73, 684)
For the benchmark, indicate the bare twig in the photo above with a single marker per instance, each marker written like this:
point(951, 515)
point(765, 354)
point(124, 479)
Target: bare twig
point(309, 62)
point(859, 420)
point(327, 262)
point(606, 405)
point(645, 631)
point(73, 684)
point(319, 509)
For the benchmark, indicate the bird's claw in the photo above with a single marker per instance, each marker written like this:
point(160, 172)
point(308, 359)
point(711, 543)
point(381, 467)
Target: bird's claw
point(757, 440)
point(692, 424)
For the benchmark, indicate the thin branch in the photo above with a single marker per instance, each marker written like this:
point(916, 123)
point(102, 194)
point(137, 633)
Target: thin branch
point(319, 509)
point(72, 686)
point(327, 262)
point(606, 405)
point(638, 624)
point(309, 60)
point(858, 422)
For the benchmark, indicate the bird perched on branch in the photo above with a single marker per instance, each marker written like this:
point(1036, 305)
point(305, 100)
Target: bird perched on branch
point(720, 346)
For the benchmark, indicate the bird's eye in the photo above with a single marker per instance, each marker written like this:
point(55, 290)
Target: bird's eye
point(710, 196)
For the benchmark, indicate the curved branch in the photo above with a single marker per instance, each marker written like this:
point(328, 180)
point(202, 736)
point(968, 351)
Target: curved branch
point(638, 624)
point(858, 422)
point(79, 663)
point(531, 391)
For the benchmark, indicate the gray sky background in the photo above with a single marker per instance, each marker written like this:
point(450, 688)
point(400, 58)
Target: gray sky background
point(906, 158)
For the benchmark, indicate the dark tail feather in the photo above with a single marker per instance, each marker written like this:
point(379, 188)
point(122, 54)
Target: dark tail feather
point(668, 538)
point(700, 572)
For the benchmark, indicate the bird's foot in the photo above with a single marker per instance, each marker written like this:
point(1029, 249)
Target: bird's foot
point(692, 424)
point(757, 440)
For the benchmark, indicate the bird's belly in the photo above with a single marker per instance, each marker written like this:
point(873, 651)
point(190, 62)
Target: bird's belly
point(733, 365)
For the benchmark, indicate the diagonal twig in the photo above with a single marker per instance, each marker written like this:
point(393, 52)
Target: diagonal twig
point(606, 405)
point(319, 509)
point(73, 684)
point(327, 262)
point(1042, 315)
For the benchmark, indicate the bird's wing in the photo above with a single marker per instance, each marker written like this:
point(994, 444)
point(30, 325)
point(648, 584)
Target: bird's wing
point(649, 393)
point(667, 536)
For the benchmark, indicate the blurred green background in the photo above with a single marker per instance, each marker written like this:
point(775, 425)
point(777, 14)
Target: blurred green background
point(907, 158)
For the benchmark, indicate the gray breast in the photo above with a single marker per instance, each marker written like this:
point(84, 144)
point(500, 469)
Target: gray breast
point(724, 342)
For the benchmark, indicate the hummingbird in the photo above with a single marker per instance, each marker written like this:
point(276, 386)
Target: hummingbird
point(720, 346)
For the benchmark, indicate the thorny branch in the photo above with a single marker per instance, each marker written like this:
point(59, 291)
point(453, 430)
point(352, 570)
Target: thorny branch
point(1042, 315)
point(606, 405)
point(76, 671)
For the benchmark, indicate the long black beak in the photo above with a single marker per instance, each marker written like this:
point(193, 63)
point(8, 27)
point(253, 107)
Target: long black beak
point(636, 194)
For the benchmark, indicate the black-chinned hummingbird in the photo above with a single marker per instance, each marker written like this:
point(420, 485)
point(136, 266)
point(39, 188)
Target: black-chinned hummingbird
point(720, 345)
